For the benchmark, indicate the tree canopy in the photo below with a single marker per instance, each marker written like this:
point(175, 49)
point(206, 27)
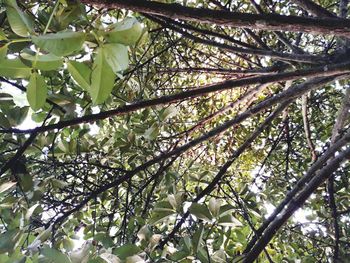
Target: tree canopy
point(174, 131)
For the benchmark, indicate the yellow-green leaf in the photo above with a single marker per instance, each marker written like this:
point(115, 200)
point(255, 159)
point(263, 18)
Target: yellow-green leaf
point(200, 211)
point(14, 68)
point(2, 35)
point(197, 238)
point(102, 78)
point(3, 52)
point(80, 72)
point(20, 22)
point(126, 32)
point(60, 43)
point(116, 56)
point(36, 91)
point(43, 62)
point(159, 216)
point(126, 250)
point(229, 221)
point(55, 256)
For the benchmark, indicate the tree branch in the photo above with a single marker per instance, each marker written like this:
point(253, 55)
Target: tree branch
point(211, 186)
point(327, 70)
point(295, 204)
point(249, 51)
point(307, 128)
point(321, 161)
point(327, 26)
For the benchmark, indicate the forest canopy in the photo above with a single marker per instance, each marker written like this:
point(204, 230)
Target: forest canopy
point(174, 131)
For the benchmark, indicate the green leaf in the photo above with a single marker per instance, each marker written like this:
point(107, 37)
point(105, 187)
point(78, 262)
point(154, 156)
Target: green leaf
point(179, 255)
point(3, 52)
point(66, 14)
point(36, 91)
point(104, 238)
point(158, 217)
point(43, 62)
point(126, 251)
point(197, 238)
point(45, 234)
point(164, 206)
point(200, 211)
point(54, 255)
point(126, 32)
point(168, 112)
point(2, 35)
point(80, 72)
point(20, 22)
point(68, 244)
point(26, 182)
point(116, 56)
point(187, 244)
point(61, 99)
point(17, 115)
point(9, 240)
point(229, 220)
point(219, 256)
point(152, 132)
point(144, 233)
point(4, 122)
point(102, 78)
point(30, 211)
point(14, 68)
point(203, 255)
point(7, 186)
point(226, 210)
point(61, 43)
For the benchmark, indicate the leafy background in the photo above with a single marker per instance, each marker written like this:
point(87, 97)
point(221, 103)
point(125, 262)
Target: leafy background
point(105, 188)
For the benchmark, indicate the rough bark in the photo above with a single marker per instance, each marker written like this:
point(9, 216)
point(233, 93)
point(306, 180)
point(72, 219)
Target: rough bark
point(324, 26)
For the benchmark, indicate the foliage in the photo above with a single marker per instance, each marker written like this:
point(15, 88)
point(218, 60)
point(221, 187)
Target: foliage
point(165, 133)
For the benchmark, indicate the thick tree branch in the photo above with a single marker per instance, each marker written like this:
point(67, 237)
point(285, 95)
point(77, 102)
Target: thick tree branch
point(249, 51)
point(225, 71)
point(340, 121)
point(327, 26)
